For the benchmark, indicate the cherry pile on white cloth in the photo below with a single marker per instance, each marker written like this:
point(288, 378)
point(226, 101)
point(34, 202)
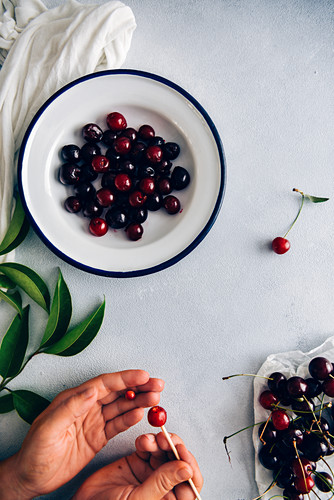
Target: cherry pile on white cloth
point(41, 50)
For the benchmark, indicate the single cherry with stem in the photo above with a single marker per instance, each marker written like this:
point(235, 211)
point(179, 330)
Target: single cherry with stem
point(281, 245)
point(157, 417)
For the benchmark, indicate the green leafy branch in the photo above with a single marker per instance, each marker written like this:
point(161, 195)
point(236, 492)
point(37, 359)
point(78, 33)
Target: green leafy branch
point(58, 338)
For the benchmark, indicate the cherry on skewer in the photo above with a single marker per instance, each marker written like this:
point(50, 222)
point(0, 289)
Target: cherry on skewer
point(157, 417)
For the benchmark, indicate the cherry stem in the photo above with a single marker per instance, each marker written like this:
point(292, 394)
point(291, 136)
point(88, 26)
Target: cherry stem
point(264, 428)
point(246, 375)
point(270, 487)
point(316, 421)
point(326, 463)
point(323, 479)
point(234, 434)
point(300, 464)
point(300, 209)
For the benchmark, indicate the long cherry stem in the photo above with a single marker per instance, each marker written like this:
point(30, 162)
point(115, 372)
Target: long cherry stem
point(300, 209)
point(246, 375)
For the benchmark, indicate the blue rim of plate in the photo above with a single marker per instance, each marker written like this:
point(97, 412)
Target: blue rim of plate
point(199, 237)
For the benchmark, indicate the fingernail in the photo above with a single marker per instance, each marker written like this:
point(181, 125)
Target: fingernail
point(151, 437)
point(183, 474)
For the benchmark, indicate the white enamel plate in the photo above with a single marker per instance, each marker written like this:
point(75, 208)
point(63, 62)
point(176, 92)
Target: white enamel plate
point(141, 98)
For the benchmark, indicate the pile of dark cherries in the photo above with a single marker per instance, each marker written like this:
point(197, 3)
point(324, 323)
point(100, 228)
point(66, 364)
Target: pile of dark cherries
point(298, 432)
point(135, 171)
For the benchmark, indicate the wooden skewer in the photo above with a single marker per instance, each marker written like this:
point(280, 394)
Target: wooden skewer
point(177, 456)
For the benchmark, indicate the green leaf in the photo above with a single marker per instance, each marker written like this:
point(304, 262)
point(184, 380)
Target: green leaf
point(17, 231)
point(6, 403)
point(29, 281)
point(60, 314)
point(14, 299)
point(77, 339)
point(14, 344)
point(29, 404)
point(5, 282)
point(316, 199)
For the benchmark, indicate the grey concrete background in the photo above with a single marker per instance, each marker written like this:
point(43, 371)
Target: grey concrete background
point(264, 71)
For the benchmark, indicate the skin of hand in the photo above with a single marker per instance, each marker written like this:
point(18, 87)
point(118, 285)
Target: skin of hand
point(76, 425)
point(150, 473)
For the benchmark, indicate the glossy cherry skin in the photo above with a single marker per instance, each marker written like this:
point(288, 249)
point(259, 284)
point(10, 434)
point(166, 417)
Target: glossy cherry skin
point(280, 245)
point(302, 466)
point(116, 121)
point(100, 164)
point(92, 132)
point(105, 197)
point(314, 388)
point(130, 395)
point(267, 433)
point(98, 226)
point(328, 387)
point(146, 132)
point(284, 476)
point(147, 185)
point(84, 190)
point(157, 416)
point(138, 215)
point(123, 182)
point(154, 202)
point(304, 484)
point(70, 153)
point(180, 178)
point(130, 133)
point(108, 137)
point(267, 399)
point(88, 151)
point(324, 482)
point(72, 204)
point(314, 447)
point(172, 204)
point(164, 185)
point(296, 387)
point(122, 145)
point(92, 209)
point(292, 494)
point(70, 174)
point(171, 150)
point(320, 368)
point(280, 420)
point(137, 199)
point(154, 154)
point(117, 217)
point(134, 231)
point(270, 457)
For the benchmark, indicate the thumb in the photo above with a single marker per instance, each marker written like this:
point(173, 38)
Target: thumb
point(163, 480)
point(70, 409)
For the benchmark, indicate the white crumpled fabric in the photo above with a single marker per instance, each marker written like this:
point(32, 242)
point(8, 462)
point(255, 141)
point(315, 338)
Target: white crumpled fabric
point(290, 364)
point(42, 50)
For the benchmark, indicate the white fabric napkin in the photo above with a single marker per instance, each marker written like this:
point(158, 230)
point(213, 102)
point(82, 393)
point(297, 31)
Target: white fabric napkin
point(290, 364)
point(41, 51)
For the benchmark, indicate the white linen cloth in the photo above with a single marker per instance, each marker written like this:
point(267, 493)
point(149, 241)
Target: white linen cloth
point(42, 50)
point(290, 364)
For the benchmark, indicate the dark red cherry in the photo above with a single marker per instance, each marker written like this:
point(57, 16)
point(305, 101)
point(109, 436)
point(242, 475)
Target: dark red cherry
point(70, 153)
point(324, 482)
point(270, 457)
point(122, 182)
point(146, 132)
point(314, 387)
point(137, 199)
point(320, 368)
point(180, 178)
point(146, 171)
point(314, 447)
point(171, 150)
point(130, 133)
point(84, 190)
point(284, 476)
point(88, 151)
point(147, 185)
point(163, 167)
point(127, 167)
point(100, 164)
point(280, 420)
point(303, 406)
point(267, 400)
point(105, 197)
point(138, 215)
point(157, 416)
point(137, 151)
point(92, 209)
point(116, 121)
point(292, 435)
point(267, 432)
point(73, 204)
point(154, 154)
point(134, 231)
point(98, 226)
point(328, 387)
point(172, 204)
point(164, 185)
point(88, 173)
point(276, 382)
point(296, 387)
point(292, 494)
point(108, 137)
point(117, 217)
point(70, 174)
point(122, 145)
point(280, 245)
point(156, 141)
point(92, 132)
point(154, 202)
point(304, 484)
point(302, 466)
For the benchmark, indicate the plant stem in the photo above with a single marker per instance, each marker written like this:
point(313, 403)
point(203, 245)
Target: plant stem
point(246, 375)
point(300, 209)
point(7, 380)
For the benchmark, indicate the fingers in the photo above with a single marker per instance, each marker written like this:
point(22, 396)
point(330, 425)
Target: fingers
point(123, 422)
point(183, 490)
point(162, 481)
point(151, 385)
point(122, 405)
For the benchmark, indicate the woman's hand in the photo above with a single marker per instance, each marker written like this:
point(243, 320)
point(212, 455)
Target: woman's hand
point(150, 473)
point(76, 425)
